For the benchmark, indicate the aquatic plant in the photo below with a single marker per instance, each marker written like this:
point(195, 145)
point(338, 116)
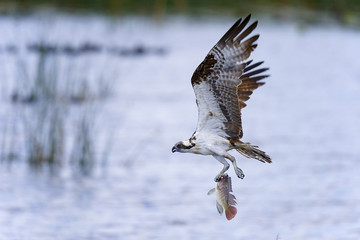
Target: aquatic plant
point(45, 95)
point(44, 132)
point(83, 150)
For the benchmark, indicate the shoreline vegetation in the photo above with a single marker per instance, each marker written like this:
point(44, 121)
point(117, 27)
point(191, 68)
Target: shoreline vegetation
point(321, 11)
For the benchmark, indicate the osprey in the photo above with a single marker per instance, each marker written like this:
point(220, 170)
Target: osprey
point(222, 83)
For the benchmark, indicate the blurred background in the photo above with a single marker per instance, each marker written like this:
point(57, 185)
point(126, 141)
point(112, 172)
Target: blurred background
point(343, 11)
point(94, 94)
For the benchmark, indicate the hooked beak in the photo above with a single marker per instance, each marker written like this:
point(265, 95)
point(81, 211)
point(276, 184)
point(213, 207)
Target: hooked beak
point(173, 149)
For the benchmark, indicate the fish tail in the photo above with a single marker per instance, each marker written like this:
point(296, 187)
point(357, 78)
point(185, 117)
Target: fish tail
point(230, 212)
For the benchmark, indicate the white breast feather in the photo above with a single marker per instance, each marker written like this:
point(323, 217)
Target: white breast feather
point(210, 116)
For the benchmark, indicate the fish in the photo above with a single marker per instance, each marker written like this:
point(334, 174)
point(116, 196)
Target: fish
point(225, 199)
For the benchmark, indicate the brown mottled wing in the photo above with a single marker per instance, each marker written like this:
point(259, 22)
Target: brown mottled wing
point(225, 80)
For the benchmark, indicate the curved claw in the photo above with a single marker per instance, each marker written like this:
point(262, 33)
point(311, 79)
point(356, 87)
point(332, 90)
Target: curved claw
point(219, 177)
point(239, 173)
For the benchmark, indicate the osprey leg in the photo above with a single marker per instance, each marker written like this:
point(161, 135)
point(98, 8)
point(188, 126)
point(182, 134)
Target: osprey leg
point(225, 168)
point(238, 171)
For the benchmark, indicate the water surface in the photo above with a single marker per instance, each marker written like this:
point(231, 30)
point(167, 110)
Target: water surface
point(305, 117)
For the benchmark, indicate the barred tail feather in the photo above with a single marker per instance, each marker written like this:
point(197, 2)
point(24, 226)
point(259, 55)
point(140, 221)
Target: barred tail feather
point(251, 151)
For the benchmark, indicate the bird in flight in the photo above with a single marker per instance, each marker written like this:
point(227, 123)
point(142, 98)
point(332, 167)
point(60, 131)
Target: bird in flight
point(222, 83)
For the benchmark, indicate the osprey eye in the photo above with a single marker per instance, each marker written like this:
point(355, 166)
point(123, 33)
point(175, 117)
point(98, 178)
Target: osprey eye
point(181, 145)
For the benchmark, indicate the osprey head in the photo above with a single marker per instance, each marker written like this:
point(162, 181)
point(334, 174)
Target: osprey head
point(183, 146)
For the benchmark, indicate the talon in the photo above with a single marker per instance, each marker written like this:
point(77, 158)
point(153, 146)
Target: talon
point(239, 173)
point(219, 177)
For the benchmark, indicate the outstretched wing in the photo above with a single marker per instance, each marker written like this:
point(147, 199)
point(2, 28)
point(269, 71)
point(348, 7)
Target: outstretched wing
point(225, 80)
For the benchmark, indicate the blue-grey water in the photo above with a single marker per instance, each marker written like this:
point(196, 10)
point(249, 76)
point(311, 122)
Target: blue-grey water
point(306, 117)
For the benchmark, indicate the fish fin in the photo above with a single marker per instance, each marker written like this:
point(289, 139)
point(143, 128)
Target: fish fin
point(219, 208)
point(211, 191)
point(232, 199)
point(230, 212)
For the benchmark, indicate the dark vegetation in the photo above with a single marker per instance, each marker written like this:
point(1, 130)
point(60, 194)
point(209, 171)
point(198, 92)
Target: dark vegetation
point(85, 48)
point(344, 11)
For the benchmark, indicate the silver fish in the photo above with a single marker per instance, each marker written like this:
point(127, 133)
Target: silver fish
point(225, 199)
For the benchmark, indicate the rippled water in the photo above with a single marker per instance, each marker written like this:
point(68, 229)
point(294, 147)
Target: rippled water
point(306, 118)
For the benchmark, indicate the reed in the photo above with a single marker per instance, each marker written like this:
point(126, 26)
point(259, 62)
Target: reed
point(43, 112)
point(49, 96)
point(44, 134)
point(83, 150)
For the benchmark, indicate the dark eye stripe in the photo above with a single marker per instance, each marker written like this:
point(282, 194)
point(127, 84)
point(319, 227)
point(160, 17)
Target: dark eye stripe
point(188, 147)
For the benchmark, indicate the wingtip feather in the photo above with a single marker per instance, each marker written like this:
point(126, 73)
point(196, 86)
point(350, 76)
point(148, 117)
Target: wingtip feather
point(248, 17)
